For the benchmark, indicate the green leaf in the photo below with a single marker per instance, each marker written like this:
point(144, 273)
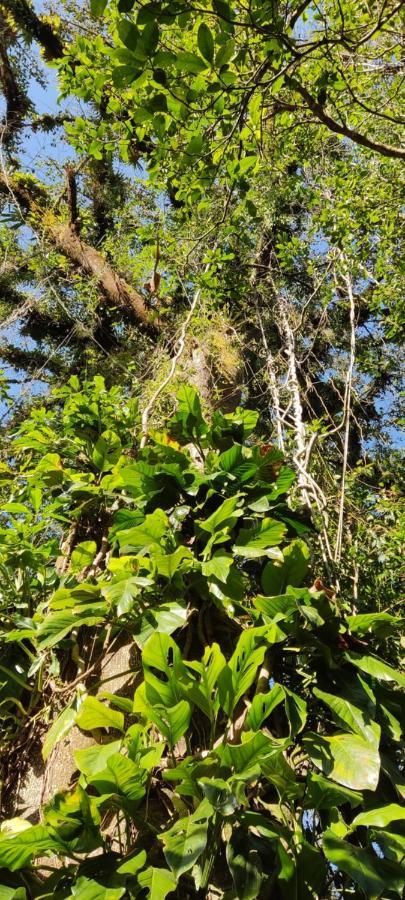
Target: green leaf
point(172, 721)
point(190, 63)
point(17, 850)
point(184, 843)
point(375, 667)
point(159, 882)
point(57, 625)
point(223, 518)
point(59, 728)
point(239, 674)
point(97, 8)
point(149, 534)
point(291, 571)
point(225, 54)
point(218, 566)
point(12, 893)
point(374, 876)
point(93, 714)
point(260, 539)
point(324, 794)
point(262, 706)
point(205, 42)
point(94, 759)
point(165, 618)
point(83, 555)
point(381, 817)
point(346, 758)
point(203, 692)
point(381, 624)
point(128, 33)
point(121, 593)
point(168, 565)
point(244, 863)
point(127, 775)
point(88, 889)
point(107, 451)
point(352, 716)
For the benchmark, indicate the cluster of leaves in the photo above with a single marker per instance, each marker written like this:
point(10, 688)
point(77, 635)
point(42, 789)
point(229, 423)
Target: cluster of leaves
point(258, 754)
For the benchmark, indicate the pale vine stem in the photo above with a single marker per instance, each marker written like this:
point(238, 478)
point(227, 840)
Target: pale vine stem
point(181, 343)
point(346, 406)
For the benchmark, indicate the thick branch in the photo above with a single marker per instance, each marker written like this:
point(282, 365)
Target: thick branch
point(321, 114)
point(32, 196)
point(16, 99)
point(25, 16)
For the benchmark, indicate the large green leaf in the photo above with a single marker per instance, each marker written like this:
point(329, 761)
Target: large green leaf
point(94, 714)
point(347, 713)
point(172, 721)
point(59, 728)
point(165, 618)
point(373, 875)
point(245, 863)
point(377, 668)
point(184, 843)
point(159, 882)
point(17, 850)
point(380, 817)
point(324, 794)
point(205, 42)
point(94, 759)
point(107, 451)
point(346, 758)
point(239, 674)
point(381, 624)
point(293, 569)
point(260, 540)
point(88, 889)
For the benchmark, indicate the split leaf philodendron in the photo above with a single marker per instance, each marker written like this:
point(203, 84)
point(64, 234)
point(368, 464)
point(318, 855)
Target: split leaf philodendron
point(255, 748)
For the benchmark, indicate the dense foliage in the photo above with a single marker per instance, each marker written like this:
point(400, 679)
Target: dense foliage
point(201, 515)
point(264, 732)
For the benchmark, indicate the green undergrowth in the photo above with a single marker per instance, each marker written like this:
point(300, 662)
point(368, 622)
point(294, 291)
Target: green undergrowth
point(257, 753)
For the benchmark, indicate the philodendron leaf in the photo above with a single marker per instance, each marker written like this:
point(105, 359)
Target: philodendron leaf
point(107, 451)
point(245, 863)
point(59, 728)
point(88, 889)
point(380, 817)
point(375, 667)
point(172, 721)
point(17, 849)
point(291, 571)
point(346, 758)
point(159, 882)
point(260, 540)
point(184, 843)
point(83, 555)
point(373, 875)
point(94, 714)
point(349, 715)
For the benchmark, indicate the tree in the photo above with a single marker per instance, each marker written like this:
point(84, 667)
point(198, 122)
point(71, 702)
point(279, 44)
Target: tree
point(225, 224)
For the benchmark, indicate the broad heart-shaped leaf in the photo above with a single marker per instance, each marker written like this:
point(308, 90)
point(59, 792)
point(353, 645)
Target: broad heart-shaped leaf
point(324, 794)
point(346, 758)
point(165, 618)
point(375, 667)
point(205, 42)
point(248, 755)
point(260, 539)
point(237, 677)
point(94, 714)
point(107, 451)
point(380, 817)
point(17, 850)
point(59, 728)
point(121, 592)
point(346, 713)
point(58, 625)
point(94, 759)
point(224, 517)
point(168, 565)
point(159, 882)
point(127, 775)
point(381, 624)
point(172, 721)
point(184, 843)
point(88, 889)
point(291, 571)
point(82, 555)
point(218, 566)
point(374, 876)
point(148, 534)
